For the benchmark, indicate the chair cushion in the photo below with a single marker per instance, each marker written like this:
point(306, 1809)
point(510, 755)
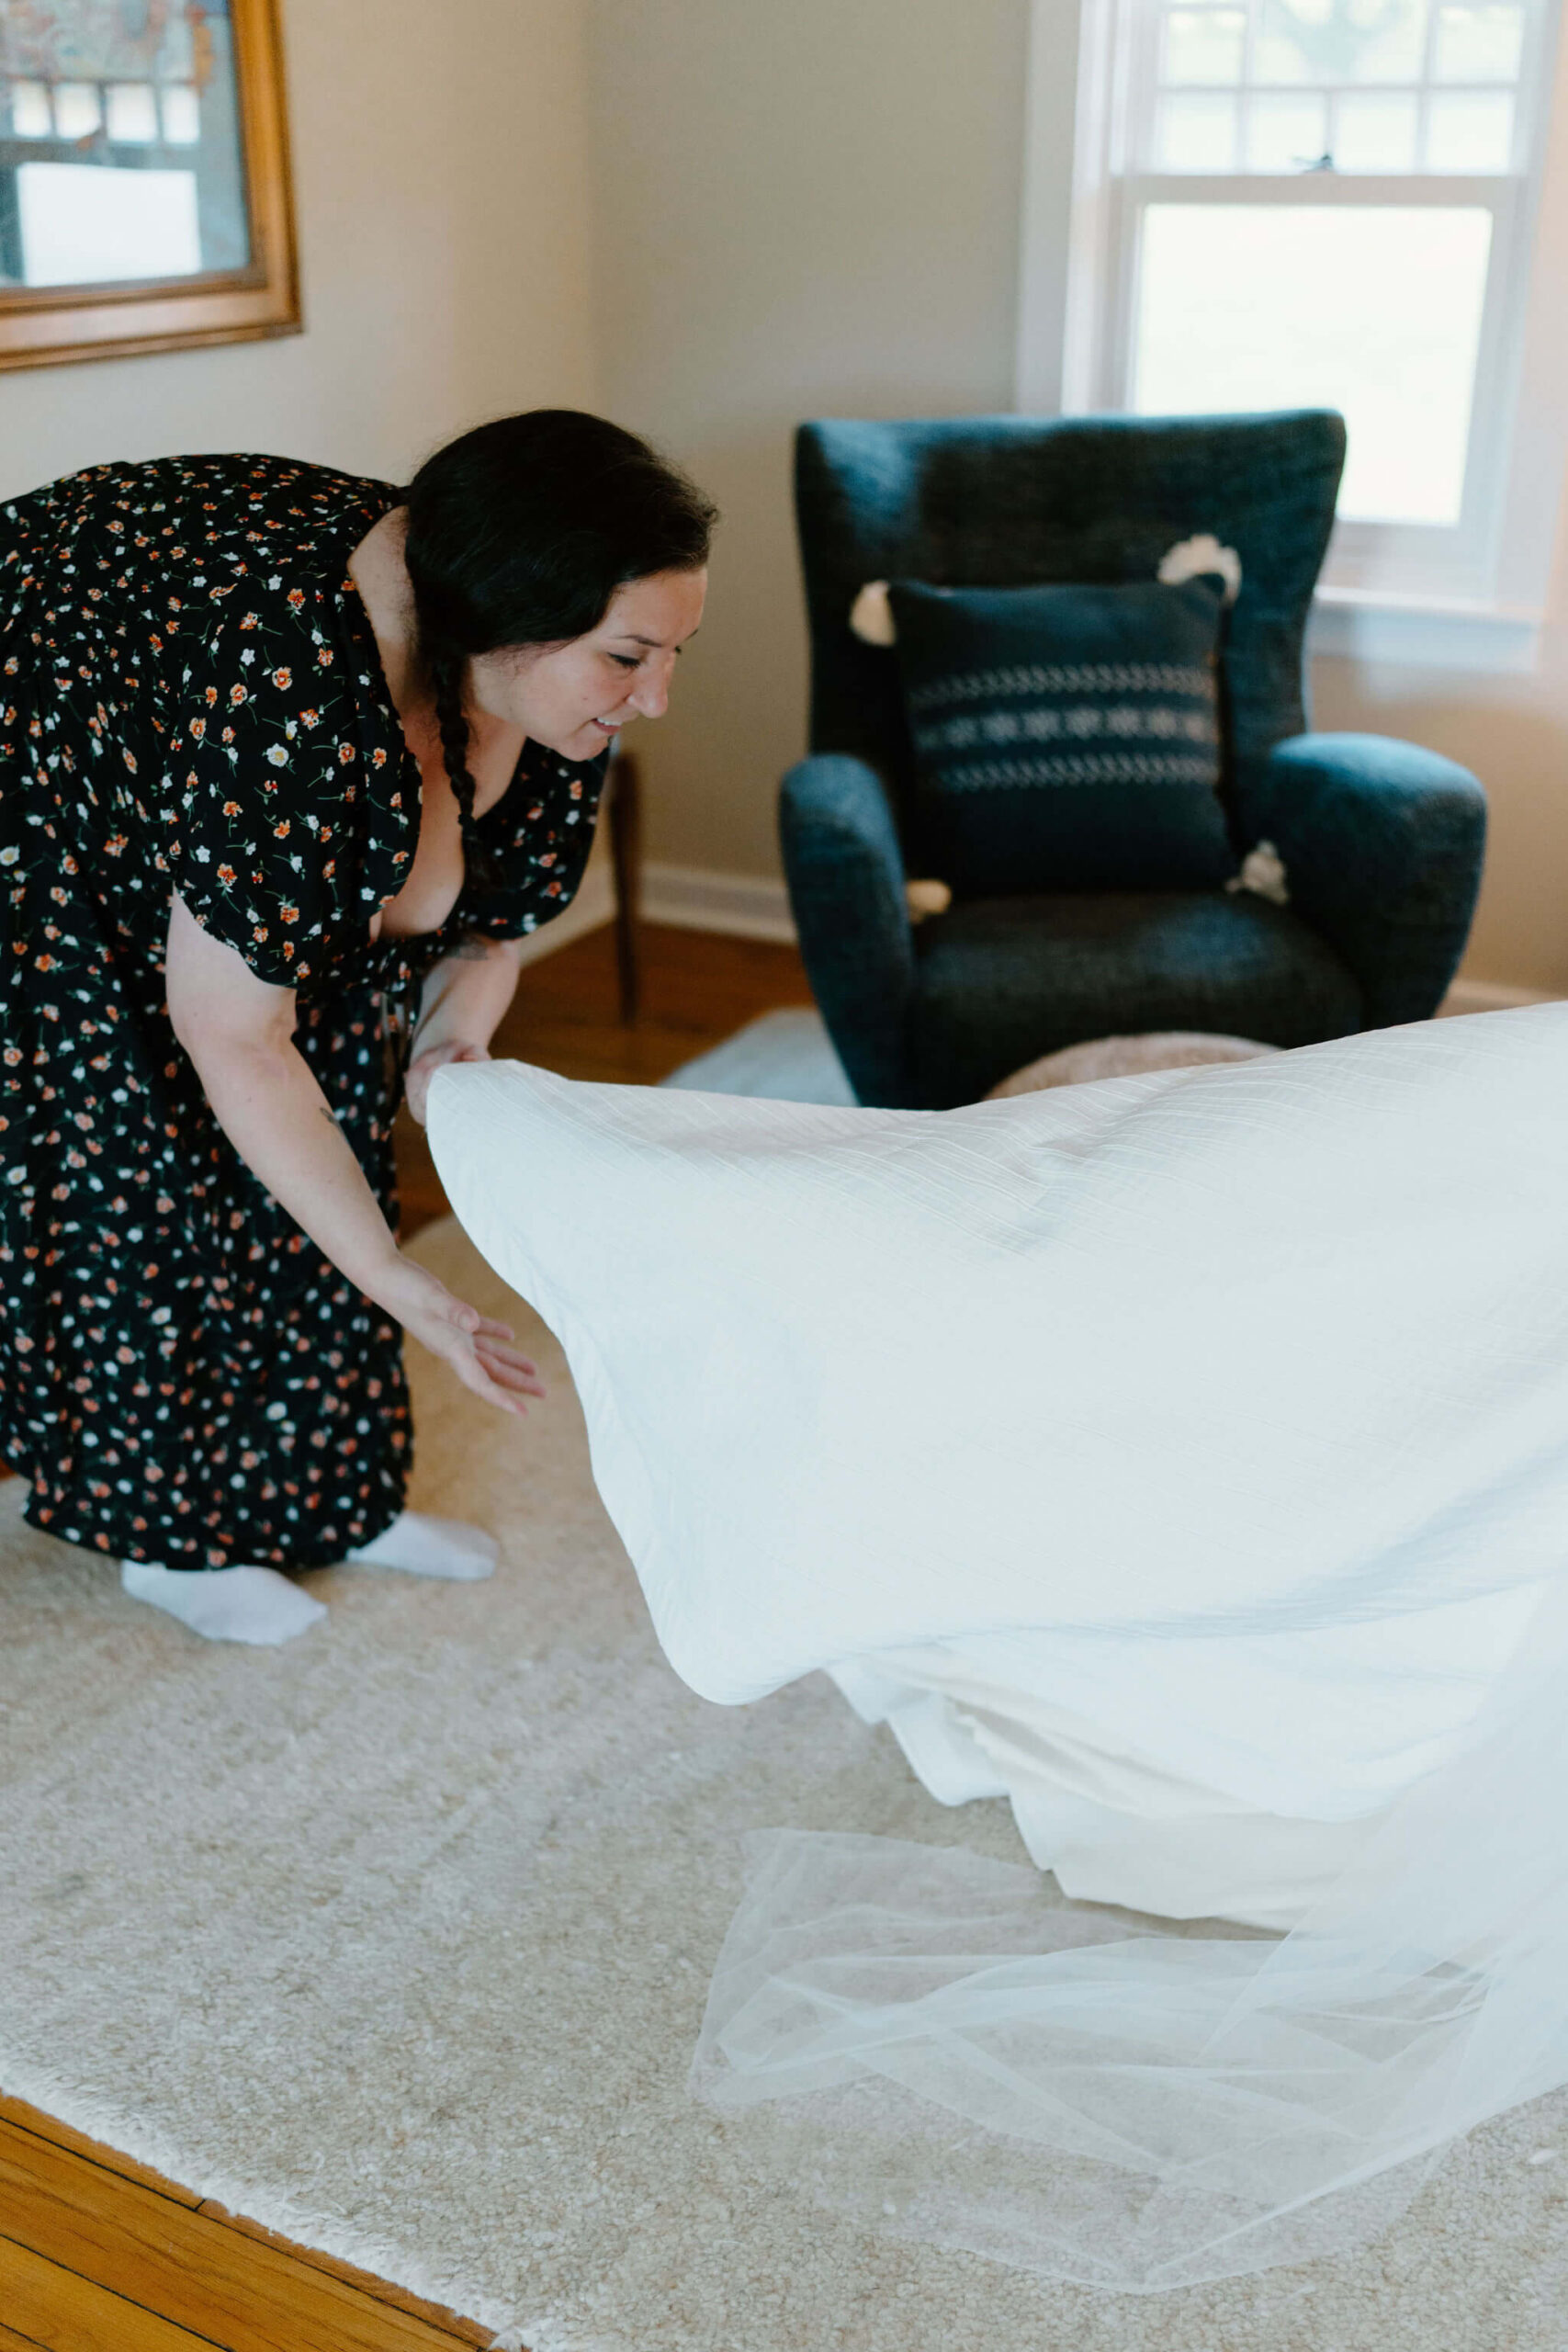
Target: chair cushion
point(1066, 737)
point(1003, 980)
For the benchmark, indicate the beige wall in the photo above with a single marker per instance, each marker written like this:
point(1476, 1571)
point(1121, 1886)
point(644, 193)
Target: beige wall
point(801, 209)
point(440, 161)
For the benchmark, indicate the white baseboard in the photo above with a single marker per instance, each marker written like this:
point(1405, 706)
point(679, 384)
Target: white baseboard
point(747, 906)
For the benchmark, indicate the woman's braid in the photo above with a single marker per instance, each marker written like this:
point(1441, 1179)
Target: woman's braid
point(446, 673)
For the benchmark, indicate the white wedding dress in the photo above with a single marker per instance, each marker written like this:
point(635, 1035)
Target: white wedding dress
point(1184, 1457)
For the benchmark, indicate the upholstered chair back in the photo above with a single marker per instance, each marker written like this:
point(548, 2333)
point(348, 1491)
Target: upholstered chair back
point(1008, 500)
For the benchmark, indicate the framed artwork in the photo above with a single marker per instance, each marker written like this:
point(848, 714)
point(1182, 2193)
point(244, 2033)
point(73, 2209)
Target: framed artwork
point(144, 192)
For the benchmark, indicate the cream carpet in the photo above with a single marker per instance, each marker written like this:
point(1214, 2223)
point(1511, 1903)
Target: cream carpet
point(397, 1938)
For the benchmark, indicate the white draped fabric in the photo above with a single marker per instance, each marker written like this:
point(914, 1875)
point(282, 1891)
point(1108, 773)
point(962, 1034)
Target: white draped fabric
point(1184, 1457)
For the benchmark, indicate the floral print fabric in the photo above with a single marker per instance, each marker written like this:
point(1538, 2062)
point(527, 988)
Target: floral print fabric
point(191, 699)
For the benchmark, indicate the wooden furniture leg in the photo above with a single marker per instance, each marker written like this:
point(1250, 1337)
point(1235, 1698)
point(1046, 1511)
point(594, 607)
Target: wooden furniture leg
point(626, 852)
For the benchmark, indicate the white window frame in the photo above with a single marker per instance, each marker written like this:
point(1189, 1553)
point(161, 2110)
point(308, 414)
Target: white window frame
point(1467, 597)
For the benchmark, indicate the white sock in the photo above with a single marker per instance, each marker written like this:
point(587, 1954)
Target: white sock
point(431, 1547)
point(254, 1605)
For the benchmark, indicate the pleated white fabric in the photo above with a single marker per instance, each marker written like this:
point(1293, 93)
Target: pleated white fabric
point(1185, 1456)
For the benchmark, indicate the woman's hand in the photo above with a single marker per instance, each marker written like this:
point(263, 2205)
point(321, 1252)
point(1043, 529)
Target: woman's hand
point(480, 1352)
point(423, 1066)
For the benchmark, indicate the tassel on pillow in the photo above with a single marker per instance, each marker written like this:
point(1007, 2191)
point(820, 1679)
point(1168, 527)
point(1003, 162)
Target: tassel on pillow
point(926, 898)
point(871, 614)
point(1190, 559)
point(1263, 871)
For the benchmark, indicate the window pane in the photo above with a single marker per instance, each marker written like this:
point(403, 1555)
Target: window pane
point(1326, 40)
point(182, 116)
point(1374, 311)
point(76, 110)
point(1374, 131)
point(1195, 134)
point(31, 115)
point(1479, 44)
point(1374, 65)
point(1202, 45)
point(1284, 131)
point(1470, 131)
point(82, 223)
point(131, 113)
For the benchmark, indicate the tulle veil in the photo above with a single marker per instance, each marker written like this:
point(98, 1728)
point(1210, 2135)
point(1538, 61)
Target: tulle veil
point(934, 2043)
point(939, 2041)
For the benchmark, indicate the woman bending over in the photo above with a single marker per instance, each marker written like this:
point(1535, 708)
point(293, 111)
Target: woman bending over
point(291, 761)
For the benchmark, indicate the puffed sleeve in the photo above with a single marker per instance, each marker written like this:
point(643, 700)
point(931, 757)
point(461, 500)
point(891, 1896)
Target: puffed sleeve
point(291, 825)
point(540, 833)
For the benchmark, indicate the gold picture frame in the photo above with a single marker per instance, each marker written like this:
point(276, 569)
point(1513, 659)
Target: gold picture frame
point(45, 325)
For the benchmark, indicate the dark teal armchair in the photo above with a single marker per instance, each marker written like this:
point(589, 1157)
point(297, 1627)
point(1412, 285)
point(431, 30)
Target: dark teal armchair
point(1381, 842)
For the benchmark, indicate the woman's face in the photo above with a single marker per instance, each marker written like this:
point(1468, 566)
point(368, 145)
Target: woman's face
point(574, 697)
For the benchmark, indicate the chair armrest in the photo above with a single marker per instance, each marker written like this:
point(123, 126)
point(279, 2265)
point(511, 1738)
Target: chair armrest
point(1382, 843)
point(845, 870)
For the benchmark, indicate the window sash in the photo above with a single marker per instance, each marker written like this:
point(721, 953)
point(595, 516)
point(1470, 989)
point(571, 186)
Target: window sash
point(1117, 79)
point(1142, 87)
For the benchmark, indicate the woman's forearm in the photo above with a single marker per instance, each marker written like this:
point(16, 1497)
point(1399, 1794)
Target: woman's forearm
point(278, 1121)
point(275, 1115)
point(466, 994)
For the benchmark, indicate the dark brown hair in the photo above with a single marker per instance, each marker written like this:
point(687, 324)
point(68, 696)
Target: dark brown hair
point(519, 533)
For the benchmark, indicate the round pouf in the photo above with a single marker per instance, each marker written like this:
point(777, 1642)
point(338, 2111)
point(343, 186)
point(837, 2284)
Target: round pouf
point(1126, 1056)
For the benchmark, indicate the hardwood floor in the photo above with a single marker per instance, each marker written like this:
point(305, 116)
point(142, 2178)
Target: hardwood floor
point(98, 2255)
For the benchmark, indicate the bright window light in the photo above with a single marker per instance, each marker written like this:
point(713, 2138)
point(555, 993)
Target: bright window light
point(1375, 130)
point(1480, 44)
point(77, 113)
point(182, 115)
point(1203, 45)
point(84, 224)
point(32, 117)
point(1470, 131)
point(1375, 312)
point(1285, 129)
point(132, 112)
point(1196, 131)
point(1322, 41)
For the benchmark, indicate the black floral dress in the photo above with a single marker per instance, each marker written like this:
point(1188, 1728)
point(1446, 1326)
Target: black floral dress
point(191, 699)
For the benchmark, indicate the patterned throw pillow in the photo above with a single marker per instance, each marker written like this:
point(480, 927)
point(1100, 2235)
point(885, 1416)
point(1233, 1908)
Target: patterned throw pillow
point(1065, 737)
